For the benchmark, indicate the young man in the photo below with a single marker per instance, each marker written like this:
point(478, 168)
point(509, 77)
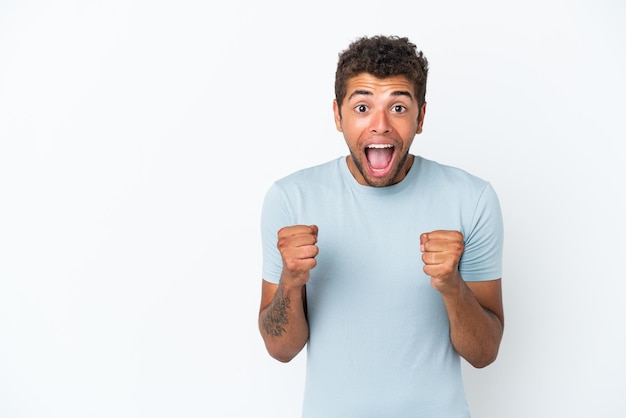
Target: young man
point(386, 265)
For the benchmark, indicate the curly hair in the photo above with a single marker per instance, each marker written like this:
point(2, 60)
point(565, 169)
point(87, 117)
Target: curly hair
point(382, 57)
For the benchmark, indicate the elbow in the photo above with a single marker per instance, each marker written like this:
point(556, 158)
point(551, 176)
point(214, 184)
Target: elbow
point(481, 364)
point(282, 345)
point(283, 351)
point(282, 357)
point(487, 352)
point(484, 359)
point(281, 354)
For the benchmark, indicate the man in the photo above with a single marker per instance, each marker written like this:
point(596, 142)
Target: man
point(386, 265)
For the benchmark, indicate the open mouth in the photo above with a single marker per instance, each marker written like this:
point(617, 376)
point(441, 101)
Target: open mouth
point(379, 157)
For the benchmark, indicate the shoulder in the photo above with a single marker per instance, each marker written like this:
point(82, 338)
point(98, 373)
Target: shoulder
point(306, 183)
point(288, 197)
point(311, 177)
point(309, 173)
point(451, 176)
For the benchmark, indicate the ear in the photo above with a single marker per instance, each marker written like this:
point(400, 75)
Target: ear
point(420, 119)
point(337, 116)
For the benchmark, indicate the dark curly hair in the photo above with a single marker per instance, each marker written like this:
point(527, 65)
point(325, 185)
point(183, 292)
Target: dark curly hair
point(382, 56)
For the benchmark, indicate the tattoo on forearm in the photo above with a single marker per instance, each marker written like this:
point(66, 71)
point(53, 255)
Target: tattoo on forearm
point(275, 317)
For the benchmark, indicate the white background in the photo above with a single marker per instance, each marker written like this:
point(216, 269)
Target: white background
point(137, 139)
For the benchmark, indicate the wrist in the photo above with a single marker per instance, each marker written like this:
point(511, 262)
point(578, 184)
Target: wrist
point(450, 287)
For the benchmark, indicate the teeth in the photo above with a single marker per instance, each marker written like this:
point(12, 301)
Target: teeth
point(380, 146)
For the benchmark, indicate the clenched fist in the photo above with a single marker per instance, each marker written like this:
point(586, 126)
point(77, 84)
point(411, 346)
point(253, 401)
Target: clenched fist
point(441, 252)
point(298, 249)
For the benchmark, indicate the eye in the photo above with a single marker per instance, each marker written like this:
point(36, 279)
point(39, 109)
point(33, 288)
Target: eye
point(398, 109)
point(361, 108)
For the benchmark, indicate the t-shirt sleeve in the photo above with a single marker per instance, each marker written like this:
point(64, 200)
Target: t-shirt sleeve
point(482, 258)
point(274, 215)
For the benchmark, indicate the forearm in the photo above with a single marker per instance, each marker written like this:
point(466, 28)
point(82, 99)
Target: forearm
point(475, 332)
point(283, 323)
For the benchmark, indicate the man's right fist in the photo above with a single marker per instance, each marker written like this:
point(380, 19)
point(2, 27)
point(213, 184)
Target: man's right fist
point(298, 249)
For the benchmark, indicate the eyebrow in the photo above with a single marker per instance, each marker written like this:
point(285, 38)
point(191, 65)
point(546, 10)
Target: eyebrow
point(369, 93)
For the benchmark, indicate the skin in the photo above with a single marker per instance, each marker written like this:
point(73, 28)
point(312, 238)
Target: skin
point(382, 112)
point(282, 319)
point(379, 112)
point(474, 309)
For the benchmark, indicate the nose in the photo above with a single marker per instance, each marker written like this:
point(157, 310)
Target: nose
point(380, 122)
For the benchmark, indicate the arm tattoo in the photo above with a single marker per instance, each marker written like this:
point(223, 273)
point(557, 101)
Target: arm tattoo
point(275, 317)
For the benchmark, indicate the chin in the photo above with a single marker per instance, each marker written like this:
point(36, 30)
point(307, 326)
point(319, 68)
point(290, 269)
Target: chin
point(385, 181)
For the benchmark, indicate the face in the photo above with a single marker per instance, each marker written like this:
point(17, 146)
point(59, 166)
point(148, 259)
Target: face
point(379, 119)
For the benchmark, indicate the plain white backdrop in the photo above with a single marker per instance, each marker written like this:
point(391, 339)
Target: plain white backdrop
point(137, 139)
